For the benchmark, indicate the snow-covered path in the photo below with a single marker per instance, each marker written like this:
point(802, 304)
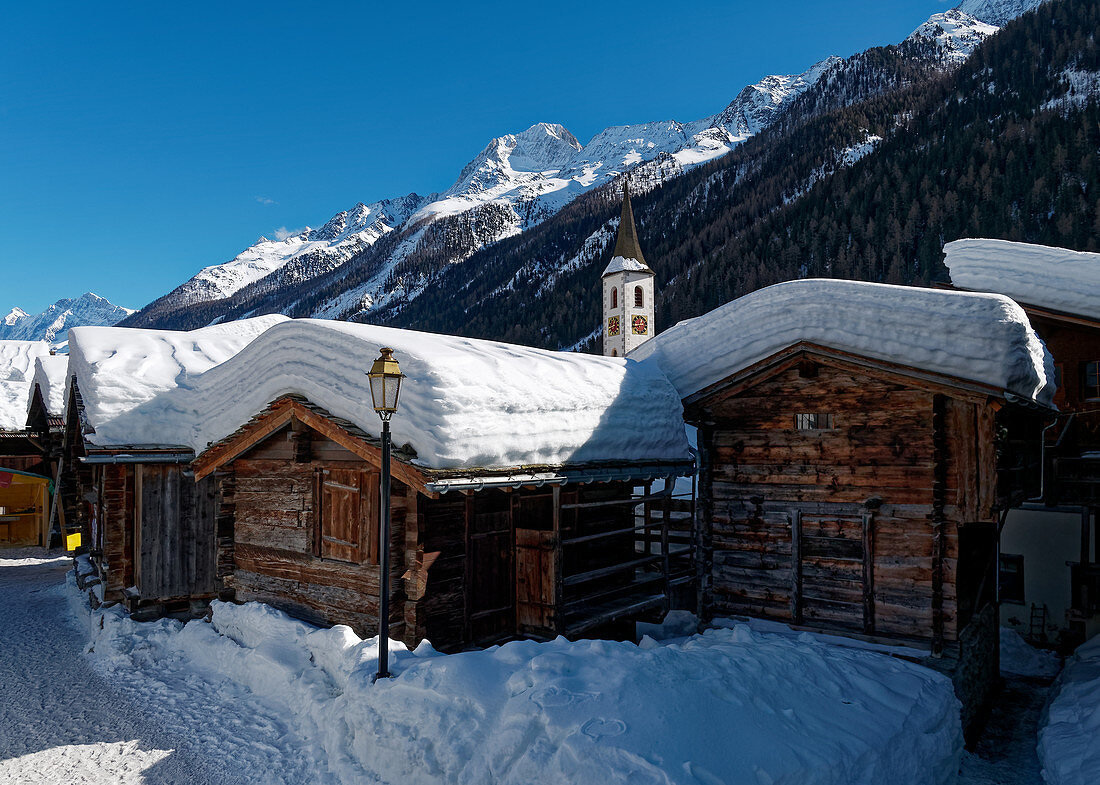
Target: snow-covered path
point(61, 722)
point(1006, 754)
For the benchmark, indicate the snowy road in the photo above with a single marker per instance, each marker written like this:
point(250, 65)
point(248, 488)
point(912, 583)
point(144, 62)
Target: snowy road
point(60, 722)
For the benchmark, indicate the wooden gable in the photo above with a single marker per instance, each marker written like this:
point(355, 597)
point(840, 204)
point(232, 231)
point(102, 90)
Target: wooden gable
point(297, 416)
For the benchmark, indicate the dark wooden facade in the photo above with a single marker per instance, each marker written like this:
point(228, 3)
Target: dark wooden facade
point(147, 524)
point(297, 529)
point(848, 495)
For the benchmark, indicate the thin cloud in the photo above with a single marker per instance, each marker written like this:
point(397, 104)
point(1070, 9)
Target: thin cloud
point(265, 201)
point(282, 232)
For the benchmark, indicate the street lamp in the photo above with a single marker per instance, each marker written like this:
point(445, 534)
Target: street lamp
point(385, 385)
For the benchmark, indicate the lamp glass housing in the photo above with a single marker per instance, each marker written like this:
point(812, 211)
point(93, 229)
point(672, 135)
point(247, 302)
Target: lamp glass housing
point(385, 384)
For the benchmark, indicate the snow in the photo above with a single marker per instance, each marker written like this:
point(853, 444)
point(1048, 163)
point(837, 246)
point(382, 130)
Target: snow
point(586, 712)
point(17, 360)
point(1071, 723)
point(997, 12)
point(1039, 275)
point(51, 376)
point(619, 264)
point(465, 403)
point(1022, 659)
point(121, 369)
point(52, 324)
point(983, 338)
point(955, 32)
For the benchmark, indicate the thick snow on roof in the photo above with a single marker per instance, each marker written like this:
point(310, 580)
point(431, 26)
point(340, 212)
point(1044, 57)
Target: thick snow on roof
point(465, 403)
point(119, 369)
point(983, 338)
point(1055, 278)
point(51, 376)
point(16, 369)
point(620, 264)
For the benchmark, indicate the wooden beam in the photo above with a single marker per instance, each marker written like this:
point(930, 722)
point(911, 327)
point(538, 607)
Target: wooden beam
point(254, 433)
point(869, 573)
point(796, 565)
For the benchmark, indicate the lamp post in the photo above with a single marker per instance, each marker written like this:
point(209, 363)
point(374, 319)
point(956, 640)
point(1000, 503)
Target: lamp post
point(385, 385)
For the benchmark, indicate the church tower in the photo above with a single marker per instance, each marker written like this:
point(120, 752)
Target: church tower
point(627, 290)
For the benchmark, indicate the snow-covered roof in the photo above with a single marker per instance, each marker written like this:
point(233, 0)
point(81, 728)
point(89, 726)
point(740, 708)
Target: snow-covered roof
point(51, 376)
point(121, 369)
point(984, 338)
point(1039, 275)
point(620, 264)
point(16, 369)
point(465, 403)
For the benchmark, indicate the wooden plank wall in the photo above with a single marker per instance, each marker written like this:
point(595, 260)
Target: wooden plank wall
point(274, 531)
point(766, 480)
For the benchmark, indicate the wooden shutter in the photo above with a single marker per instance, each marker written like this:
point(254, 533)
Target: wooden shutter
point(348, 515)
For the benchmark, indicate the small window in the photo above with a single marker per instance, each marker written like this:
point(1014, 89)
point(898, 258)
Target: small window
point(1092, 380)
point(639, 297)
point(1012, 577)
point(614, 352)
point(346, 515)
point(614, 297)
point(813, 422)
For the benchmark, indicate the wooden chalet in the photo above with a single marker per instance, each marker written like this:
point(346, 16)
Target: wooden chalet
point(478, 556)
point(1050, 570)
point(146, 523)
point(846, 492)
point(24, 465)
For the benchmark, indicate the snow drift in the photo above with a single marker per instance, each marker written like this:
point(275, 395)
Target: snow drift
point(16, 370)
point(464, 403)
point(730, 705)
point(51, 376)
point(1055, 278)
point(1071, 722)
point(983, 338)
point(118, 369)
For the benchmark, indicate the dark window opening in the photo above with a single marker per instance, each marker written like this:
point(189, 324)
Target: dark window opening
point(639, 298)
point(814, 422)
point(614, 297)
point(1092, 379)
point(1011, 578)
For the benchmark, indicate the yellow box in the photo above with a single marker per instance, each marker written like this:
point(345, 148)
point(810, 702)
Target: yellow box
point(72, 542)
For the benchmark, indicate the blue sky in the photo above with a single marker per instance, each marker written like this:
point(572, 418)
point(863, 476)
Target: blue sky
point(140, 141)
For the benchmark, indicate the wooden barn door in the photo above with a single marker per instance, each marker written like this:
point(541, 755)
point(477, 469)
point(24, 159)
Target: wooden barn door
point(834, 570)
point(490, 595)
point(537, 561)
point(175, 533)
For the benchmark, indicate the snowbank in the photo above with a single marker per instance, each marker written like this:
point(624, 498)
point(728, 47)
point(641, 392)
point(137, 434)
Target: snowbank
point(1020, 658)
point(984, 338)
point(465, 403)
point(119, 369)
point(16, 369)
point(730, 705)
point(1071, 723)
point(1055, 278)
point(51, 376)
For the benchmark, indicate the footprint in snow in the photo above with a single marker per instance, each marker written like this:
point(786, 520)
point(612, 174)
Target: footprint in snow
point(554, 697)
point(599, 728)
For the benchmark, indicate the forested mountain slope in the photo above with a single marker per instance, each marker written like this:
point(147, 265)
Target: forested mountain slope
point(865, 178)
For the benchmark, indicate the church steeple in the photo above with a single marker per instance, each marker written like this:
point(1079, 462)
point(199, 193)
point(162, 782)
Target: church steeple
point(626, 244)
point(628, 289)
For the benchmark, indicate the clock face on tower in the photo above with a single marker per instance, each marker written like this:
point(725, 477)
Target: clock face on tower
point(613, 325)
point(639, 325)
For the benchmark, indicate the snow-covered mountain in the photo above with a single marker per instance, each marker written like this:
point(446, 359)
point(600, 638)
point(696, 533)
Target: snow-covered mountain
point(515, 183)
point(53, 323)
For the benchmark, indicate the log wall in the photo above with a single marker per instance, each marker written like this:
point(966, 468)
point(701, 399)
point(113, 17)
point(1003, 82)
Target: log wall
point(853, 527)
point(269, 496)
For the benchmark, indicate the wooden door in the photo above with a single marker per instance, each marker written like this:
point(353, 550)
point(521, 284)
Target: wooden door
point(538, 563)
point(835, 570)
point(490, 594)
point(174, 538)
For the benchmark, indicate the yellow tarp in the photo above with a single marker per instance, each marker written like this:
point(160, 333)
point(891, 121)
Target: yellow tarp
point(24, 508)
